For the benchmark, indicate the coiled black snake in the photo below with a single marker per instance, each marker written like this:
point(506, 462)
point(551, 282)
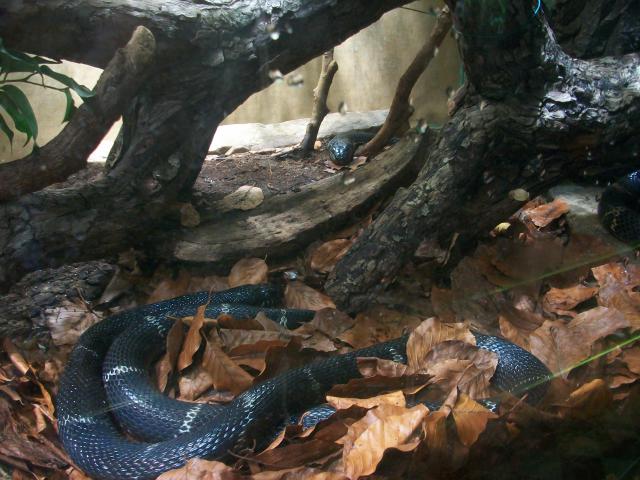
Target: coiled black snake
point(106, 379)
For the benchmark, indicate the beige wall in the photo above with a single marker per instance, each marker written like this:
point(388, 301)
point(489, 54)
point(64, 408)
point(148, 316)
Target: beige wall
point(370, 64)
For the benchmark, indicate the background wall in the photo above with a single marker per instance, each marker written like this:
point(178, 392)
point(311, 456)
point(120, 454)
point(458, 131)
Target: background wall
point(370, 64)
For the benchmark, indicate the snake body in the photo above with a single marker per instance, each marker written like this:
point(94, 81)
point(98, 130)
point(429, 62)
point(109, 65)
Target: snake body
point(106, 380)
point(619, 208)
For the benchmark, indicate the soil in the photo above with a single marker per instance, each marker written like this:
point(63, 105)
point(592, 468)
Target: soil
point(274, 171)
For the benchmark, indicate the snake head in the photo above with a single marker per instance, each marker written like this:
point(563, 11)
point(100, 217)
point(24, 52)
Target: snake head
point(341, 150)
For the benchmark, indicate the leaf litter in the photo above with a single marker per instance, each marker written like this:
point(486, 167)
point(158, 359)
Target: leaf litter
point(580, 317)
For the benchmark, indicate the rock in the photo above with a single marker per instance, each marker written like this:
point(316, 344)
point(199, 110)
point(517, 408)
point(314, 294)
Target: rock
point(236, 150)
point(258, 136)
point(244, 198)
point(221, 150)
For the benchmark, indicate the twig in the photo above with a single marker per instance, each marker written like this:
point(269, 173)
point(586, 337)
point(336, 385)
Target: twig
point(320, 109)
point(401, 110)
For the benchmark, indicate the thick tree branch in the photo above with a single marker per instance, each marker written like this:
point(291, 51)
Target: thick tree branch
point(519, 128)
point(68, 151)
point(231, 51)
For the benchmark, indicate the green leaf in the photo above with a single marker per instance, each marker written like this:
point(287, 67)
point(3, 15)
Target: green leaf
point(82, 91)
point(70, 108)
point(19, 109)
point(5, 128)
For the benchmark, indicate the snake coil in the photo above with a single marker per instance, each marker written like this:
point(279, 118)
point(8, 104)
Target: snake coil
point(106, 380)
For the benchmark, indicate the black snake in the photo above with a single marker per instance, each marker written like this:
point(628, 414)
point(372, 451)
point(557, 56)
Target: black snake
point(106, 379)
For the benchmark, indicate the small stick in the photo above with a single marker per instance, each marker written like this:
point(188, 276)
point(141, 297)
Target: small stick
point(320, 94)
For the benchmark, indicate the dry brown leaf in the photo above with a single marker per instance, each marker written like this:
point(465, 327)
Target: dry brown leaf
point(299, 474)
point(239, 342)
point(458, 366)
point(429, 333)
point(194, 383)
point(248, 271)
point(517, 325)
point(68, 321)
point(560, 346)
point(618, 284)
point(170, 288)
point(589, 400)
point(631, 357)
point(193, 340)
point(281, 359)
point(471, 419)
point(225, 373)
point(393, 398)
point(165, 365)
point(325, 257)
point(197, 469)
point(382, 428)
point(297, 454)
point(561, 300)
point(298, 295)
point(328, 321)
point(378, 324)
point(545, 214)
point(16, 358)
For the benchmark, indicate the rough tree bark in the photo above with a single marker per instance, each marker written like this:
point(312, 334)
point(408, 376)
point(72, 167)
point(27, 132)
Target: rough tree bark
point(532, 115)
point(210, 57)
point(68, 151)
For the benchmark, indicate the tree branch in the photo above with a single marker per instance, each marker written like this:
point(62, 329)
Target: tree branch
point(68, 151)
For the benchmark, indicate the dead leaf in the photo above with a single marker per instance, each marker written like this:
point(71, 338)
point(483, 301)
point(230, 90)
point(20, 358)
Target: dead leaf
point(544, 214)
point(561, 300)
point(378, 324)
point(560, 346)
point(430, 333)
point(198, 469)
point(193, 340)
point(165, 365)
point(325, 257)
point(471, 419)
point(462, 367)
point(68, 321)
point(170, 288)
point(297, 454)
point(15, 356)
point(631, 357)
point(617, 290)
point(589, 400)
point(298, 295)
point(225, 373)
point(382, 428)
point(393, 398)
point(248, 271)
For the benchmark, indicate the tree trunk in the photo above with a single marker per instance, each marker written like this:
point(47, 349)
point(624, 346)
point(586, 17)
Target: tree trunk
point(532, 116)
point(209, 59)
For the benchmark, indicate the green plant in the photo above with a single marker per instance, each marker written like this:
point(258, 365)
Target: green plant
point(13, 100)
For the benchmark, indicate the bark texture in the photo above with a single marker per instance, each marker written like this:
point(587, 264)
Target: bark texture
point(532, 116)
point(284, 223)
point(210, 57)
point(68, 151)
